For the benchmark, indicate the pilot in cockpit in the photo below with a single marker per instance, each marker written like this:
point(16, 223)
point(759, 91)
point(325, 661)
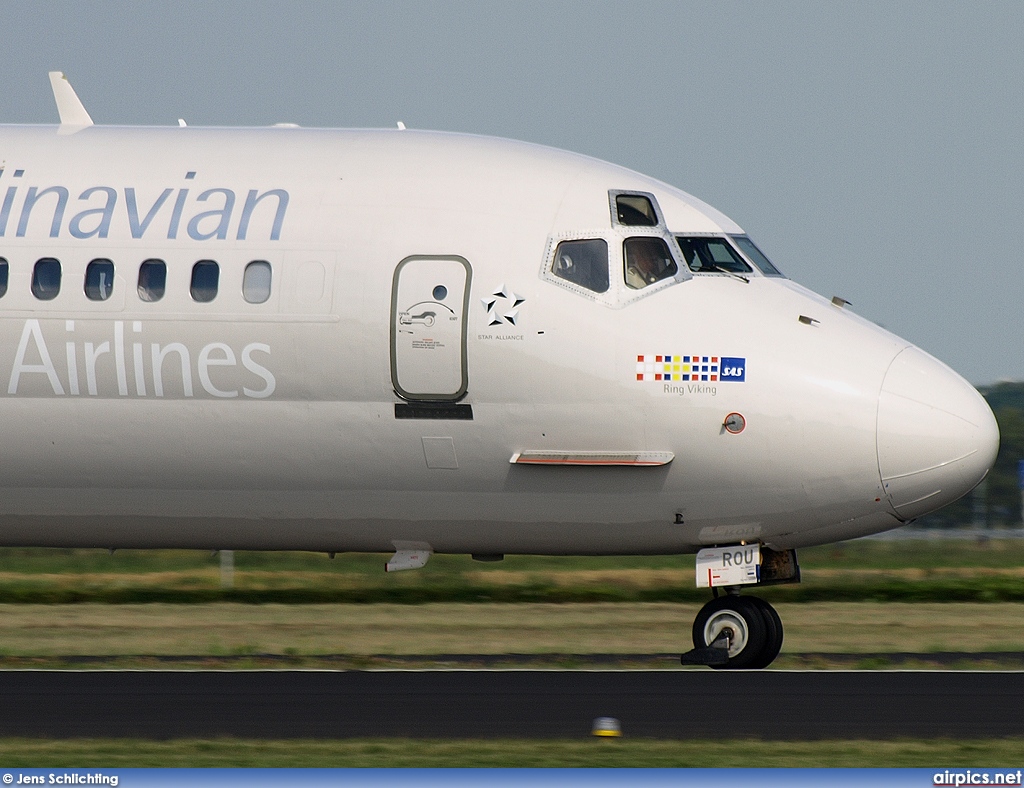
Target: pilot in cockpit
point(647, 260)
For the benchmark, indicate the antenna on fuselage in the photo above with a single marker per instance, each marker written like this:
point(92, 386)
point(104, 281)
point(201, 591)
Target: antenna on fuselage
point(70, 108)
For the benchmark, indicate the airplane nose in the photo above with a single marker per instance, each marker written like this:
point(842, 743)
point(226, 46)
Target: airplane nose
point(937, 437)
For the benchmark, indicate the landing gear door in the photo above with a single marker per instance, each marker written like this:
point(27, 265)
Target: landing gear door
point(429, 305)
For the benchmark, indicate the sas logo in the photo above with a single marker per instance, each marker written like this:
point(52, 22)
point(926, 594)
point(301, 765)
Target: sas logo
point(686, 369)
point(734, 369)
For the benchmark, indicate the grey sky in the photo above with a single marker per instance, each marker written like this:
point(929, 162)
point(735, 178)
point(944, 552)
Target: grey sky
point(873, 149)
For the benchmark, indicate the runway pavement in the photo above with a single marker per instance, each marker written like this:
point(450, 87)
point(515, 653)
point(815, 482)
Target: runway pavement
point(531, 704)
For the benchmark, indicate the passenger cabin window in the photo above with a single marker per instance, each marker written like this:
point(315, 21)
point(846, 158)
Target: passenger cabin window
point(635, 210)
point(755, 255)
point(205, 275)
point(584, 263)
point(99, 280)
point(256, 282)
point(152, 280)
point(4, 272)
point(647, 260)
point(46, 279)
point(711, 254)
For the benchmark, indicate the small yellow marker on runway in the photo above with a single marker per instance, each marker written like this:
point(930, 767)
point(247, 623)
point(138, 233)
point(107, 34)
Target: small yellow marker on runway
point(606, 726)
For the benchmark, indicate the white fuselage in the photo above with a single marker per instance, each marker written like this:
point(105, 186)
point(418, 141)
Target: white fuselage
point(228, 424)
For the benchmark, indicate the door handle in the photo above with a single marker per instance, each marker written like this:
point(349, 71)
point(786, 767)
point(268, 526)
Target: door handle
point(424, 319)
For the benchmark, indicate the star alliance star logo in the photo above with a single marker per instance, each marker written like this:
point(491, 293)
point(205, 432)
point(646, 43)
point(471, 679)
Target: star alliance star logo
point(502, 306)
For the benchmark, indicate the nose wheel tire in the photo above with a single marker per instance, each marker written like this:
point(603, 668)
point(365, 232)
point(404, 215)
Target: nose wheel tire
point(751, 628)
point(773, 625)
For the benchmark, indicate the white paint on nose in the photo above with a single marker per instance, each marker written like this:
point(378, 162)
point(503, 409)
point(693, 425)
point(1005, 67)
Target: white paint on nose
point(937, 437)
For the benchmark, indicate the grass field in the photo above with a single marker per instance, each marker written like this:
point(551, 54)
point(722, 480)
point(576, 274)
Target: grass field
point(864, 570)
point(355, 636)
point(865, 597)
point(858, 598)
point(625, 752)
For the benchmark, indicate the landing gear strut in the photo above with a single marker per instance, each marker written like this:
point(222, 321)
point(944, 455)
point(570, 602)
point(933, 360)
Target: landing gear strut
point(734, 632)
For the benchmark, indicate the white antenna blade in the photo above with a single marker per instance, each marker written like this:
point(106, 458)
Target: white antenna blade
point(69, 106)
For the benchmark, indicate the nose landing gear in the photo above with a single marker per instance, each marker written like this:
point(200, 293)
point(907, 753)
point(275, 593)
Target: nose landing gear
point(735, 632)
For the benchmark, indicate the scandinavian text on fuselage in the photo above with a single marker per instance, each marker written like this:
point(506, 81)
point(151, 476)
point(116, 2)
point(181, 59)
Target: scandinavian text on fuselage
point(136, 213)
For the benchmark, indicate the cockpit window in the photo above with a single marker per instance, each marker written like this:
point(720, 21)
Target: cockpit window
point(647, 260)
point(711, 254)
point(584, 263)
point(635, 210)
point(755, 255)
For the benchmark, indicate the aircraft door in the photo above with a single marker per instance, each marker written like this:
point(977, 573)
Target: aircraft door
point(429, 305)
